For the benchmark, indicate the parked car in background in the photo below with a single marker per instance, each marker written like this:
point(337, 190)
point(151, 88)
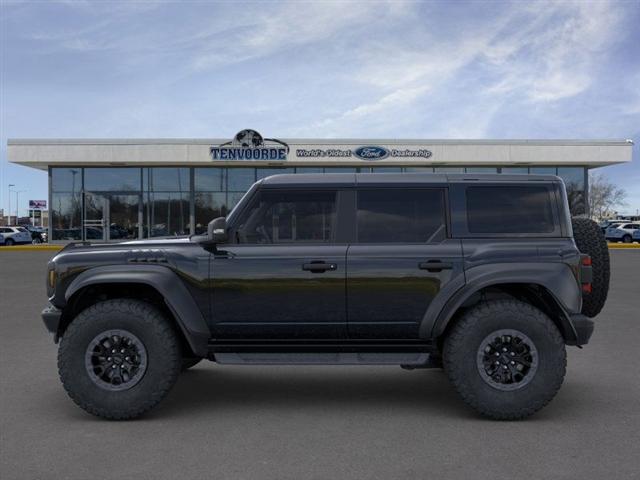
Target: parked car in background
point(636, 236)
point(1, 239)
point(38, 234)
point(15, 235)
point(622, 232)
point(610, 223)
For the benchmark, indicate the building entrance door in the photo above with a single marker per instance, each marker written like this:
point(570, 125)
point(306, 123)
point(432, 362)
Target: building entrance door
point(112, 217)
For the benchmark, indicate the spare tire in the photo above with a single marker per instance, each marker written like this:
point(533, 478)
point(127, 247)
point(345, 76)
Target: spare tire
point(590, 240)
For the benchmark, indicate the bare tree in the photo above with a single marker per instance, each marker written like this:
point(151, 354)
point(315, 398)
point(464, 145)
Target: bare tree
point(604, 196)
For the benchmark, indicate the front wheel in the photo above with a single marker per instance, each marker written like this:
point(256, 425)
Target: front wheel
point(9, 242)
point(505, 358)
point(119, 358)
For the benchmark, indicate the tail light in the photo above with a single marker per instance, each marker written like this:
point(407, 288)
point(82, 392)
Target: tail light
point(586, 273)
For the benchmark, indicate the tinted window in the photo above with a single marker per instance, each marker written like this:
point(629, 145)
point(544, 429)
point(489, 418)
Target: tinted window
point(286, 217)
point(400, 216)
point(509, 209)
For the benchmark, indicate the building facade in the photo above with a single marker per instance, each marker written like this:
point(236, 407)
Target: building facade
point(111, 190)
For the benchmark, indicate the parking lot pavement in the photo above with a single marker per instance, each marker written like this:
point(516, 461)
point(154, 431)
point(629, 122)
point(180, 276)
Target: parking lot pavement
point(317, 422)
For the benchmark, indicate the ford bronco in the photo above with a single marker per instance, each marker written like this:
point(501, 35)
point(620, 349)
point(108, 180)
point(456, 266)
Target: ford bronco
point(486, 276)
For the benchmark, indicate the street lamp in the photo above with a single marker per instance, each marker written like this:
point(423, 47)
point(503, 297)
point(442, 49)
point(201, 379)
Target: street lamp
point(9, 212)
point(18, 192)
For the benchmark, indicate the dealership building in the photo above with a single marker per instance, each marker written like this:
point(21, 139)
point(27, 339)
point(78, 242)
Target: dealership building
point(115, 189)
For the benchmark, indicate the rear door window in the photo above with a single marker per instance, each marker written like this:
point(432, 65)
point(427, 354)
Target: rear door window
point(501, 209)
point(401, 216)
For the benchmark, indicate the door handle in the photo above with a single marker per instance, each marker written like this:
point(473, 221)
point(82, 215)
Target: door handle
point(319, 267)
point(435, 266)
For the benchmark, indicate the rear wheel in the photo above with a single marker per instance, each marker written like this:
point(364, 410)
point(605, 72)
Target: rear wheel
point(626, 239)
point(590, 240)
point(505, 358)
point(119, 358)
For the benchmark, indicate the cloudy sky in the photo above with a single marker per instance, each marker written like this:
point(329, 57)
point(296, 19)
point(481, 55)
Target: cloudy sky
point(319, 69)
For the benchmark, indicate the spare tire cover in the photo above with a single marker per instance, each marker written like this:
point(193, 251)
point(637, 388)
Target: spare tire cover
point(590, 240)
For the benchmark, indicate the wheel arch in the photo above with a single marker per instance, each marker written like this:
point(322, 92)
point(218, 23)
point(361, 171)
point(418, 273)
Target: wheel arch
point(155, 284)
point(554, 290)
point(534, 294)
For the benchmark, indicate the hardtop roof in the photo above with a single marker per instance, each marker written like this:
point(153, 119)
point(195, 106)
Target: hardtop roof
point(377, 179)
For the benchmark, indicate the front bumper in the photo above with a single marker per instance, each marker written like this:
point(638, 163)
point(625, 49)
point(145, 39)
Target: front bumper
point(51, 317)
point(583, 327)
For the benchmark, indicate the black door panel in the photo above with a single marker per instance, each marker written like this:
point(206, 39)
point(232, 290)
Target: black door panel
point(279, 291)
point(388, 291)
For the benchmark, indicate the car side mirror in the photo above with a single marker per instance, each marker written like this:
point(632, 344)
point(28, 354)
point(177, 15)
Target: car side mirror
point(217, 230)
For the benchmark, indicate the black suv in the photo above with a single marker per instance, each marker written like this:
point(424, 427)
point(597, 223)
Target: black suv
point(479, 274)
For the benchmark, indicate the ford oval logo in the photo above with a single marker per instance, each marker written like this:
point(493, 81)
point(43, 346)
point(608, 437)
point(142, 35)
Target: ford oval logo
point(371, 153)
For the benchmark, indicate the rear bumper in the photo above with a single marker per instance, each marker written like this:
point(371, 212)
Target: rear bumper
point(583, 327)
point(51, 317)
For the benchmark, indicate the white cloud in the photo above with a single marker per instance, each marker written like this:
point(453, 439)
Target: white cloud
point(553, 56)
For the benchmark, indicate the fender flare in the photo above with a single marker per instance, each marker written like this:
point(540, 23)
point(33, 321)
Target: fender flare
point(164, 281)
point(556, 278)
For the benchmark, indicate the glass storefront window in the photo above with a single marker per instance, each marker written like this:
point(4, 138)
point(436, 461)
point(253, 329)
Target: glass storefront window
point(66, 216)
point(543, 170)
point(340, 170)
point(266, 172)
point(210, 179)
point(66, 179)
point(241, 178)
point(112, 179)
point(384, 169)
point(166, 214)
point(160, 197)
point(514, 170)
point(208, 205)
point(573, 178)
point(166, 179)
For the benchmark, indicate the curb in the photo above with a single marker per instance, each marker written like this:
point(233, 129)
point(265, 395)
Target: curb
point(624, 246)
point(27, 248)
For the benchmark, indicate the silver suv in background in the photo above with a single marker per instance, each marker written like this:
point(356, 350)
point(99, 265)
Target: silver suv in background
point(622, 232)
point(15, 235)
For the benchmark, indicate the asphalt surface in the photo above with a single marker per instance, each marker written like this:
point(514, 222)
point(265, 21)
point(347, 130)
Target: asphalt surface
point(316, 422)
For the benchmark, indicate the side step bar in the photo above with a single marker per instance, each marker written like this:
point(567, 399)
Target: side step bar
point(409, 354)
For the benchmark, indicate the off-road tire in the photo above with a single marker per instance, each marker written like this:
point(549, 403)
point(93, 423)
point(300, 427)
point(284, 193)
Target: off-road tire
point(164, 358)
point(464, 340)
point(188, 362)
point(590, 240)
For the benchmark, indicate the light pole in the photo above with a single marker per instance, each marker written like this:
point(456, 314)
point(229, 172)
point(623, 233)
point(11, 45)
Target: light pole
point(18, 192)
point(9, 212)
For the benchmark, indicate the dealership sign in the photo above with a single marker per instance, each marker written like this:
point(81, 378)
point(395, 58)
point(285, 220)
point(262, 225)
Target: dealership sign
point(365, 152)
point(250, 145)
point(38, 204)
